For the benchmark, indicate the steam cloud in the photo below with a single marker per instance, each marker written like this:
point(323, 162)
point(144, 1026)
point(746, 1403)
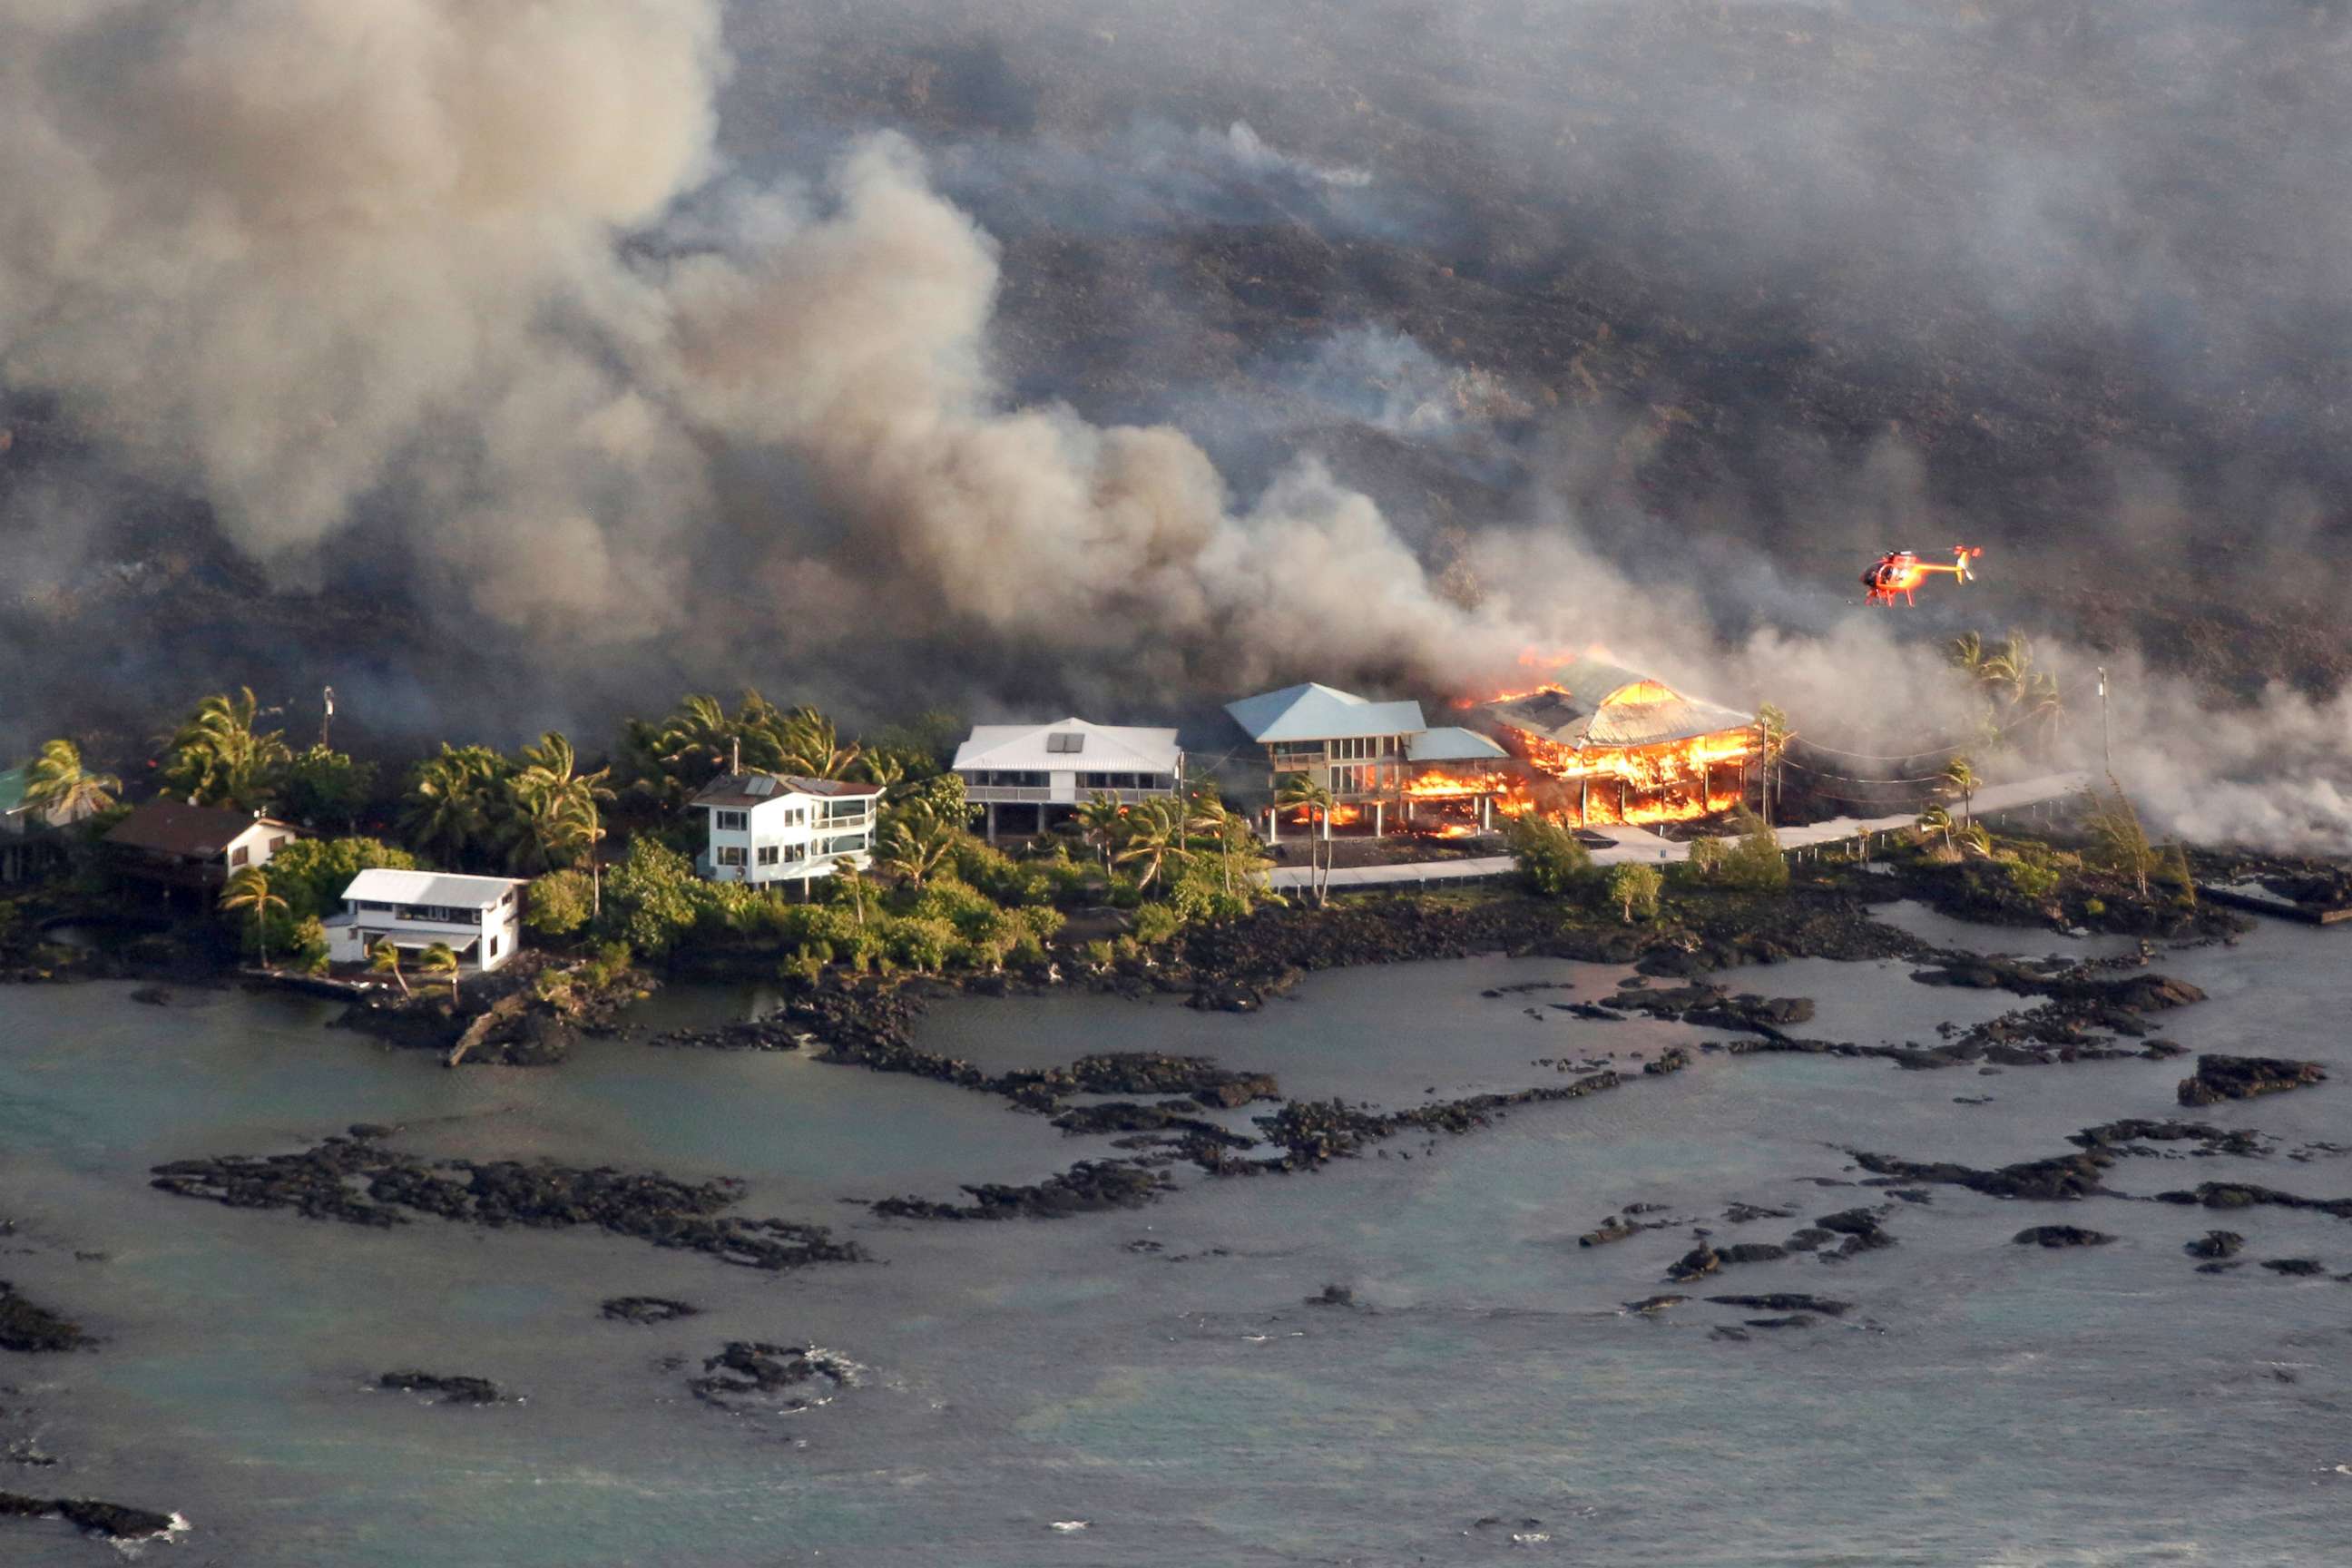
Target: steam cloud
point(467, 282)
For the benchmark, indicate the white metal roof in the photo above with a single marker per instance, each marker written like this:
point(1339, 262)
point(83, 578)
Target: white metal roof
point(443, 889)
point(1450, 743)
point(1048, 747)
point(1312, 713)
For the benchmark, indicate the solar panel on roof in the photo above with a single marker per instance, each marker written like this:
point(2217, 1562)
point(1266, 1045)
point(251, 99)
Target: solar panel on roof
point(763, 786)
point(1067, 741)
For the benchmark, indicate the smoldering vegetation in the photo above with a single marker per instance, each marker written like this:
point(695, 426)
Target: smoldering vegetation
point(922, 352)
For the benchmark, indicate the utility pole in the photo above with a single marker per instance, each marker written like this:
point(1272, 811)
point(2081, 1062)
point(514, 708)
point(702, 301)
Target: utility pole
point(327, 721)
point(2107, 737)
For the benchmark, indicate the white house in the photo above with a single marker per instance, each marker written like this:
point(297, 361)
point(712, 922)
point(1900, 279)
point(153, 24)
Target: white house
point(480, 918)
point(202, 845)
point(1357, 749)
point(778, 827)
point(1051, 768)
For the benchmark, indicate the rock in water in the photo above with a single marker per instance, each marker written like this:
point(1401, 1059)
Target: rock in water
point(1787, 1301)
point(2061, 1236)
point(2242, 1078)
point(648, 1309)
point(754, 1375)
point(446, 1390)
point(114, 1521)
point(29, 1329)
point(2216, 1244)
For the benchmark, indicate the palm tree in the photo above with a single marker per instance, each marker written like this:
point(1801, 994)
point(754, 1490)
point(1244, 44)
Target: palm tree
point(384, 959)
point(1300, 793)
point(558, 810)
point(248, 888)
point(58, 787)
point(811, 747)
point(916, 841)
point(1962, 778)
point(1101, 821)
point(1967, 652)
point(442, 958)
point(219, 758)
point(2040, 704)
point(1155, 838)
point(1772, 723)
point(1210, 817)
point(453, 801)
point(852, 881)
point(1935, 819)
point(887, 771)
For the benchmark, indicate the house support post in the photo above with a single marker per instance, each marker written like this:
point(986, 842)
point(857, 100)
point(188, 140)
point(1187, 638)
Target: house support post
point(1380, 811)
point(991, 809)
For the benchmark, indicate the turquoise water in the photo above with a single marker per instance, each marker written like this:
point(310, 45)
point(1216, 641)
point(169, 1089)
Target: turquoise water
point(1983, 1404)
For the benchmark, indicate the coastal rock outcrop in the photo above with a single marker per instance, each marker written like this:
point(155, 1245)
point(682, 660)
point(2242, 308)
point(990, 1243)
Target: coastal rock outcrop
point(648, 1309)
point(752, 1375)
point(444, 1388)
point(2219, 1078)
point(2057, 1236)
point(359, 1181)
point(30, 1328)
point(113, 1521)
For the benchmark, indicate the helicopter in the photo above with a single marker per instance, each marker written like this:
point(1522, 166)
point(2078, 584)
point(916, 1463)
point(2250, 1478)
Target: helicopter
point(1902, 571)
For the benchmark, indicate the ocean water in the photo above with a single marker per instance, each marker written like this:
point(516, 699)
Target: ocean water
point(1485, 1399)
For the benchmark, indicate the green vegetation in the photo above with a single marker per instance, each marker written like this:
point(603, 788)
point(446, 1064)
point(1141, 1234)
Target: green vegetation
point(61, 789)
point(1554, 864)
point(1633, 887)
point(1753, 863)
point(248, 888)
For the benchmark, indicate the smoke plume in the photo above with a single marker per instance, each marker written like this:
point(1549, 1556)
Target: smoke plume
point(540, 330)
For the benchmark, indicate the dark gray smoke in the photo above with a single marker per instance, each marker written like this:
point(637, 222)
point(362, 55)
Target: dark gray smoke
point(510, 363)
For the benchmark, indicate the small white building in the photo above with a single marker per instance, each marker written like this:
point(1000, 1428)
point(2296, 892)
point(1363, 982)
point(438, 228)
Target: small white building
point(480, 918)
point(778, 827)
point(1051, 768)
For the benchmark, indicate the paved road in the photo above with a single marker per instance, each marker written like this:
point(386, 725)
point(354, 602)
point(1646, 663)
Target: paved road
point(1639, 843)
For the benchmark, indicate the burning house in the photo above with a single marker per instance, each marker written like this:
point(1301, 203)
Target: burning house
point(1608, 745)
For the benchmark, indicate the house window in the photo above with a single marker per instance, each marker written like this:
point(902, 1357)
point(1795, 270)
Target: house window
point(277, 844)
point(730, 821)
point(237, 856)
point(494, 947)
point(729, 855)
point(767, 854)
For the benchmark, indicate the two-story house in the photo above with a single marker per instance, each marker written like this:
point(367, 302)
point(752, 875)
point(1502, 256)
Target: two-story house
point(1357, 749)
point(199, 845)
point(480, 918)
point(778, 827)
point(1040, 772)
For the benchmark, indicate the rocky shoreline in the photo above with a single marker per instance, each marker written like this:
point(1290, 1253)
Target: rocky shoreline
point(357, 1179)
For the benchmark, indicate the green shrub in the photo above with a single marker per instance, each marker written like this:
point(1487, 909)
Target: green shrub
point(1155, 923)
point(1633, 887)
point(919, 943)
point(2036, 884)
point(650, 898)
point(1100, 953)
point(1706, 856)
point(1754, 863)
point(558, 904)
point(1554, 863)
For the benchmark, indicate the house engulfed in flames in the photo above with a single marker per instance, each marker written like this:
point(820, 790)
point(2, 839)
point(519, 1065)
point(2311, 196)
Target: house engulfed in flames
point(1610, 745)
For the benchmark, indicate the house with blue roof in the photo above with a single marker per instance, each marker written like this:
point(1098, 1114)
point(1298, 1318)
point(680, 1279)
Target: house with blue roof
point(1367, 753)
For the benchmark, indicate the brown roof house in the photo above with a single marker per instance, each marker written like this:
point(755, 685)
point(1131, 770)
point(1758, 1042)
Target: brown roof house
point(169, 841)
